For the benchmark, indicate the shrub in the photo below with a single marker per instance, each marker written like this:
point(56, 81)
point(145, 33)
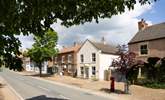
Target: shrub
point(143, 81)
point(94, 78)
point(154, 73)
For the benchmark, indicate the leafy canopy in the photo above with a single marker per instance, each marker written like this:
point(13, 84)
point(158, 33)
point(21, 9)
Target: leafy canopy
point(36, 16)
point(44, 47)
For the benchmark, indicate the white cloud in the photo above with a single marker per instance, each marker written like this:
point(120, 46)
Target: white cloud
point(117, 30)
point(26, 41)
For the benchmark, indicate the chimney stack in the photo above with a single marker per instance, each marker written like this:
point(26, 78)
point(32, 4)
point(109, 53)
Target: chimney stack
point(75, 43)
point(142, 25)
point(103, 40)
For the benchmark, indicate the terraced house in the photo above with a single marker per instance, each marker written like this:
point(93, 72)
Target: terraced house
point(66, 60)
point(94, 58)
point(149, 41)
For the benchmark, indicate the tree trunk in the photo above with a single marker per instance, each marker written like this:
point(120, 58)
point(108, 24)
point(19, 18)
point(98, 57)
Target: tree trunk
point(40, 69)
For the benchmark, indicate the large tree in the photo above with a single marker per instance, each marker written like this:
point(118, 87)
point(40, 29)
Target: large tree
point(36, 16)
point(44, 48)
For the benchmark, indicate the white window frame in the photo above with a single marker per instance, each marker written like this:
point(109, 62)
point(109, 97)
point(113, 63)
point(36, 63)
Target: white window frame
point(69, 58)
point(63, 58)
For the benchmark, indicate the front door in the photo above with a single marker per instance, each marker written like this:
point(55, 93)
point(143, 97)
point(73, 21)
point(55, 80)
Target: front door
point(86, 72)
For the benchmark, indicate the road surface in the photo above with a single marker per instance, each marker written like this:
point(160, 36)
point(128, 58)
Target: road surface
point(33, 89)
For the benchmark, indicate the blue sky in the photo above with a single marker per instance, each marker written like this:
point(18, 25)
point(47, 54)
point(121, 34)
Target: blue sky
point(157, 13)
point(119, 29)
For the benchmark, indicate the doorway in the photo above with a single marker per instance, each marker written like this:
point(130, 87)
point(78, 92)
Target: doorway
point(86, 72)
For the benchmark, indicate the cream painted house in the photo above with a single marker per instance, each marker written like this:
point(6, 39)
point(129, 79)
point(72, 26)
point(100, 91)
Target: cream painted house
point(94, 58)
point(32, 67)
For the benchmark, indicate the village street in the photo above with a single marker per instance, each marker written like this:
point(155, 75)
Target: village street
point(34, 89)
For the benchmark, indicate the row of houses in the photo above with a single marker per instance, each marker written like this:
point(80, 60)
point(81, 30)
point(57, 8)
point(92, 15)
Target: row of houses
point(93, 58)
point(86, 60)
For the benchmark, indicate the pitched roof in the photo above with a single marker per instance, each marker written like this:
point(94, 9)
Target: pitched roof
point(150, 33)
point(70, 49)
point(105, 48)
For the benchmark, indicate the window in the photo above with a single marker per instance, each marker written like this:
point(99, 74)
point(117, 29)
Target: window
point(93, 70)
point(82, 58)
point(93, 57)
point(63, 58)
point(69, 68)
point(43, 69)
point(69, 58)
point(55, 59)
point(82, 70)
point(143, 49)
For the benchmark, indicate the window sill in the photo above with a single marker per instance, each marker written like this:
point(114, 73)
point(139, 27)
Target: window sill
point(143, 55)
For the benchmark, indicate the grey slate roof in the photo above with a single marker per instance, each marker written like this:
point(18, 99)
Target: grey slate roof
point(153, 32)
point(105, 48)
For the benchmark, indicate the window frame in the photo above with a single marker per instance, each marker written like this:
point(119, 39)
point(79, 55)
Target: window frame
point(63, 59)
point(143, 51)
point(55, 58)
point(94, 57)
point(69, 58)
point(82, 70)
point(82, 58)
point(94, 70)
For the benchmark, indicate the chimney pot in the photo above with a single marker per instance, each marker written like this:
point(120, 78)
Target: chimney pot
point(75, 43)
point(142, 24)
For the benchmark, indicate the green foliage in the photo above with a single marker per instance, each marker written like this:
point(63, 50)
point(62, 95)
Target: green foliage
point(36, 16)
point(156, 85)
point(9, 48)
point(154, 73)
point(13, 62)
point(94, 78)
point(132, 74)
point(44, 48)
point(150, 84)
point(155, 69)
point(25, 16)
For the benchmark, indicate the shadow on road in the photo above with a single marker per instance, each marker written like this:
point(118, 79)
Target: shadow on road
point(37, 75)
point(43, 97)
point(108, 91)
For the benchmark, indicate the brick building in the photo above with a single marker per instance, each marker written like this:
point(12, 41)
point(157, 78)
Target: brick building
point(149, 41)
point(66, 60)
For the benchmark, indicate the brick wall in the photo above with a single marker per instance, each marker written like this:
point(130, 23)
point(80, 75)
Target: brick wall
point(156, 49)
